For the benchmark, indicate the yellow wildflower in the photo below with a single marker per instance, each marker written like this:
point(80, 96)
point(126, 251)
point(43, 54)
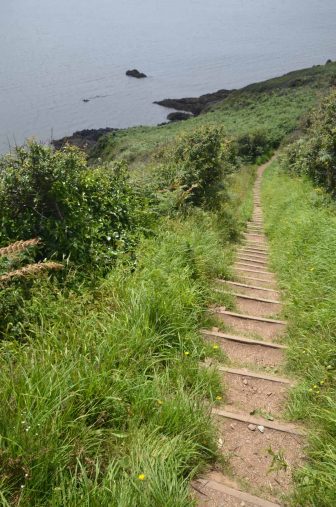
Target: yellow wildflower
point(141, 477)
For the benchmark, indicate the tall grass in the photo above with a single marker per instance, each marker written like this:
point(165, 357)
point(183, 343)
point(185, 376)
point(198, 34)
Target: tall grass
point(104, 403)
point(301, 223)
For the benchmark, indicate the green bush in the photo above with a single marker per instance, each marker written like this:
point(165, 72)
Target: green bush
point(315, 154)
point(85, 214)
point(195, 168)
point(253, 144)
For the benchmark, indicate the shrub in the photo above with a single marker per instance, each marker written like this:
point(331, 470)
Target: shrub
point(315, 154)
point(195, 167)
point(82, 213)
point(253, 144)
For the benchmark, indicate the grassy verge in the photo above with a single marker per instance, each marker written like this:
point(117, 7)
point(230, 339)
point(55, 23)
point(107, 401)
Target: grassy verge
point(301, 223)
point(104, 400)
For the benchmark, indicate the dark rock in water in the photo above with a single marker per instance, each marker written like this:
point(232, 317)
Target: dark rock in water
point(178, 116)
point(85, 139)
point(86, 100)
point(329, 61)
point(135, 73)
point(195, 105)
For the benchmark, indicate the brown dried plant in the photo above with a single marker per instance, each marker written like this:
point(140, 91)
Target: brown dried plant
point(31, 269)
point(17, 247)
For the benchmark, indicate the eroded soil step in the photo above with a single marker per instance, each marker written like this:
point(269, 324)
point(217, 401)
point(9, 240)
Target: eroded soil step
point(257, 247)
point(216, 490)
point(247, 352)
point(255, 273)
point(263, 256)
point(245, 257)
point(252, 290)
point(263, 460)
point(252, 265)
point(248, 278)
point(247, 324)
point(255, 237)
point(250, 392)
point(258, 307)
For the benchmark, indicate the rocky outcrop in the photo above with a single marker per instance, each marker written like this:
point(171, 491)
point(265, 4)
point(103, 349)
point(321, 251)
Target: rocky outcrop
point(178, 116)
point(195, 105)
point(85, 139)
point(135, 73)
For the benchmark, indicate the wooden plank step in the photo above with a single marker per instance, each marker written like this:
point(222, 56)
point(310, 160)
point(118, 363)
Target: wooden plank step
point(254, 290)
point(251, 264)
point(250, 317)
point(262, 275)
point(273, 425)
point(247, 373)
point(266, 328)
point(238, 284)
point(269, 284)
point(252, 258)
point(243, 339)
point(229, 492)
point(261, 247)
point(255, 253)
point(253, 298)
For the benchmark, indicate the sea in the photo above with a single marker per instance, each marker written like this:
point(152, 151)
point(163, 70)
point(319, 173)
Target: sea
point(54, 55)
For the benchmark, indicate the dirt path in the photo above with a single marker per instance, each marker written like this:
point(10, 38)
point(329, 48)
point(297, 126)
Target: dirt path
point(261, 448)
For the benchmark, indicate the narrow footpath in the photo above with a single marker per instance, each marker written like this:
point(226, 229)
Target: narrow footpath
point(262, 449)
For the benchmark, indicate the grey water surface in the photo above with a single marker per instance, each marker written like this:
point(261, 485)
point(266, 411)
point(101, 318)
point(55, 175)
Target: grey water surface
point(55, 54)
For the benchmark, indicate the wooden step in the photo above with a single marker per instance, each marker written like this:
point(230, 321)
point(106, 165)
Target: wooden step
point(252, 290)
point(252, 265)
point(266, 328)
point(261, 247)
point(242, 339)
point(255, 253)
point(251, 392)
point(255, 273)
point(215, 493)
point(248, 279)
point(259, 307)
point(258, 421)
point(243, 372)
point(251, 258)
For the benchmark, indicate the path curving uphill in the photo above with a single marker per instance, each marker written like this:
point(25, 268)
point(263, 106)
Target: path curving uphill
point(262, 448)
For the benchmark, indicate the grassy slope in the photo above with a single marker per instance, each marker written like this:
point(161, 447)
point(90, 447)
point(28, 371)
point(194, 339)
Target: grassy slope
point(104, 403)
point(301, 223)
point(274, 106)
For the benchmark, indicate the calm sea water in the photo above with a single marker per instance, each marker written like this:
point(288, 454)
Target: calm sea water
point(54, 54)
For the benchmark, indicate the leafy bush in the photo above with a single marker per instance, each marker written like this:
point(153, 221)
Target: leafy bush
point(253, 145)
point(195, 167)
point(315, 154)
point(82, 213)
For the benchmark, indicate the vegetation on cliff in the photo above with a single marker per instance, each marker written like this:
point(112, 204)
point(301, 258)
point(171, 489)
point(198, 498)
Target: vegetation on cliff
point(104, 399)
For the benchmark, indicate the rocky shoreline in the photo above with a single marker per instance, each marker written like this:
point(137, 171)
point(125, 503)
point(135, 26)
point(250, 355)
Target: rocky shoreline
point(85, 139)
point(195, 105)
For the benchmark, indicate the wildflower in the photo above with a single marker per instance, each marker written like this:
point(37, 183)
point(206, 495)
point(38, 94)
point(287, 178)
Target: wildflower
point(159, 402)
point(216, 347)
point(22, 486)
point(141, 477)
point(186, 353)
point(312, 269)
point(322, 382)
point(218, 398)
point(329, 367)
point(310, 390)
